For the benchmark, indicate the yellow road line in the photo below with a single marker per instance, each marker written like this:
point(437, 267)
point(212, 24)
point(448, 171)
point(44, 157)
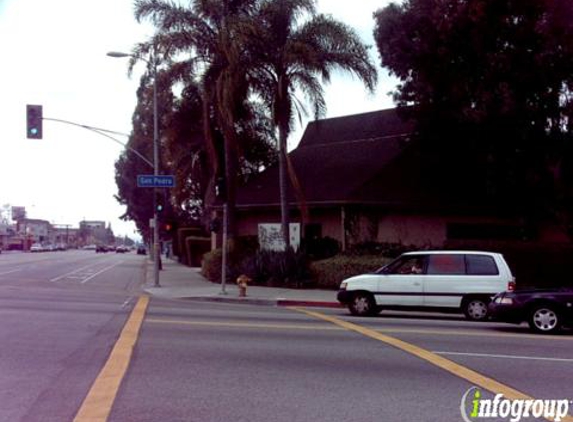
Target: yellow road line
point(460, 371)
point(97, 404)
point(241, 324)
point(445, 332)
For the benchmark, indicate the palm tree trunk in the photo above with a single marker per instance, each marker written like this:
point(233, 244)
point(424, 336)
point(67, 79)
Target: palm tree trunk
point(283, 187)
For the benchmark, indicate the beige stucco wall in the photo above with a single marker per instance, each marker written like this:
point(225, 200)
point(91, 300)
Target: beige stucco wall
point(412, 230)
point(362, 226)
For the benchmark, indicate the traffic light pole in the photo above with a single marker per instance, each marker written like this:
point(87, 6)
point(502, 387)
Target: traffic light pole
point(153, 63)
point(155, 173)
point(103, 132)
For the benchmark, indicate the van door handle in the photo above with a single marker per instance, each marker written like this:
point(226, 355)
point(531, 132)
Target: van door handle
point(417, 284)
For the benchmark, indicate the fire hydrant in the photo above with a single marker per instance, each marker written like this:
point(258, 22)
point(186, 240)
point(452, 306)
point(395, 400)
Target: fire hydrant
point(242, 282)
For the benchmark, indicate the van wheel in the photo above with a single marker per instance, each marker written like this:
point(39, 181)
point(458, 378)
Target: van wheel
point(475, 309)
point(362, 304)
point(544, 319)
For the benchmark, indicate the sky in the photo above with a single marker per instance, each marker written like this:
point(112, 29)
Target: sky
point(54, 54)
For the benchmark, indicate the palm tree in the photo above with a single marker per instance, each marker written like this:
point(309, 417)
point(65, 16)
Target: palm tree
point(294, 48)
point(204, 33)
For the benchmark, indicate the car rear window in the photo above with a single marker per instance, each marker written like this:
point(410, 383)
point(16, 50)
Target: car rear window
point(448, 264)
point(481, 265)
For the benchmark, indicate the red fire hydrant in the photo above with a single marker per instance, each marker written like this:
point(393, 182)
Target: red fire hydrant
point(242, 282)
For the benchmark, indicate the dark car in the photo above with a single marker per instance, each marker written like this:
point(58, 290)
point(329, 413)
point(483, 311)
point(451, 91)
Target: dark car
point(101, 249)
point(545, 310)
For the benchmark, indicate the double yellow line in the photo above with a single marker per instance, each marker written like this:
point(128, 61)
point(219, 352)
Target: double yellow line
point(460, 371)
point(98, 403)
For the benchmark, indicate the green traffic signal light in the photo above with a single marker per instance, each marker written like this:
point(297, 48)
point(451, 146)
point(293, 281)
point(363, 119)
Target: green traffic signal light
point(34, 121)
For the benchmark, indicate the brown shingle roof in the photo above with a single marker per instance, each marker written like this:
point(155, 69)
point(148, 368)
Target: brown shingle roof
point(335, 159)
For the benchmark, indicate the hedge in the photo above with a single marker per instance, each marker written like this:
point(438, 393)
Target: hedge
point(265, 268)
point(329, 273)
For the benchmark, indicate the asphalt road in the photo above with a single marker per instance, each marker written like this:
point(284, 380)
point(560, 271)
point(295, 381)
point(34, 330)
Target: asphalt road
point(61, 322)
point(222, 362)
point(60, 315)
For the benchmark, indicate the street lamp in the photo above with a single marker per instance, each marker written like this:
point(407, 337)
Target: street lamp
point(153, 63)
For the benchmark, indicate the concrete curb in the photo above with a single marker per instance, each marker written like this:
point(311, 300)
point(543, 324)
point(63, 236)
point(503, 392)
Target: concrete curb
point(233, 300)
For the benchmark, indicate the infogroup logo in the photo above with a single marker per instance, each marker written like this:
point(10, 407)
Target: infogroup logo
point(474, 408)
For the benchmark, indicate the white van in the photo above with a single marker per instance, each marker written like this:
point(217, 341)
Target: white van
point(431, 280)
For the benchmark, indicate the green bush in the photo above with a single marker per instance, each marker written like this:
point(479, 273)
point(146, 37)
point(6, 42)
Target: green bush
point(211, 266)
point(329, 273)
point(321, 248)
point(266, 268)
point(287, 268)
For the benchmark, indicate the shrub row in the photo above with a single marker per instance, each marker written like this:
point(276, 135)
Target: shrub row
point(290, 269)
point(265, 268)
point(534, 265)
point(329, 273)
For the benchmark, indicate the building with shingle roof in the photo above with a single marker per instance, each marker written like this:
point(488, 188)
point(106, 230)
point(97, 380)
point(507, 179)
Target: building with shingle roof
point(364, 178)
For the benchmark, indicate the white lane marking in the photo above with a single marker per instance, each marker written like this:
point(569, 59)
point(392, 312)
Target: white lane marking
point(72, 272)
point(485, 355)
point(99, 272)
point(11, 271)
point(127, 302)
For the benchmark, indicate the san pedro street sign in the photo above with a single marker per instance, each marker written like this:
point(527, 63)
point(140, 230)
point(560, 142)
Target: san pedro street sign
point(151, 181)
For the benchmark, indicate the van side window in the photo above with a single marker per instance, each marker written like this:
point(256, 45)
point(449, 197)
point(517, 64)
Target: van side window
point(481, 265)
point(407, 265)
point(448, 264)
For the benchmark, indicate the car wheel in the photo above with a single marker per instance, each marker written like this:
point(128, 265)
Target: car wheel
point(362, 304)
point(475, 309)
point(544, 319)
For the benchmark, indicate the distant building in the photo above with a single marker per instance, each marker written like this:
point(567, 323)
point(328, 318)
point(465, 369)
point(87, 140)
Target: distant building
point(31, 230)
point(4, 236)
point(64, 234)
point(95, 233)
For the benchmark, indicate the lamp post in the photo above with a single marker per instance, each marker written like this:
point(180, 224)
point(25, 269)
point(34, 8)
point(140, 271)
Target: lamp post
point(153, 63)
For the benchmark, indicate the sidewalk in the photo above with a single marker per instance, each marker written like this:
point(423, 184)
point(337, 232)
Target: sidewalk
point(178, 281)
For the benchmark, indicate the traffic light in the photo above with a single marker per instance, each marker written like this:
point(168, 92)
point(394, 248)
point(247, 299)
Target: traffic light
point(34, 121)
point(159, 202)
point(168, 227)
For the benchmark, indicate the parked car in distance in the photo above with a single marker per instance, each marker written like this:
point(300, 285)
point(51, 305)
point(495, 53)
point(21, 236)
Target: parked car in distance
point(141, 250)
point(102, 249)
point(36, 247)
point(457, 281)
point(545, 310)
point(121, 249)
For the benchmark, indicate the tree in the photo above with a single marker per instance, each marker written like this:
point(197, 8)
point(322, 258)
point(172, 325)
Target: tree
point(489, 82)
point(205, 33)
point(139, 201)
point(192, 142)
point(292, 48)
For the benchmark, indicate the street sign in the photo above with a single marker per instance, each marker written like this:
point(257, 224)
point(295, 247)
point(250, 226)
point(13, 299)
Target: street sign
point(151, 181)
